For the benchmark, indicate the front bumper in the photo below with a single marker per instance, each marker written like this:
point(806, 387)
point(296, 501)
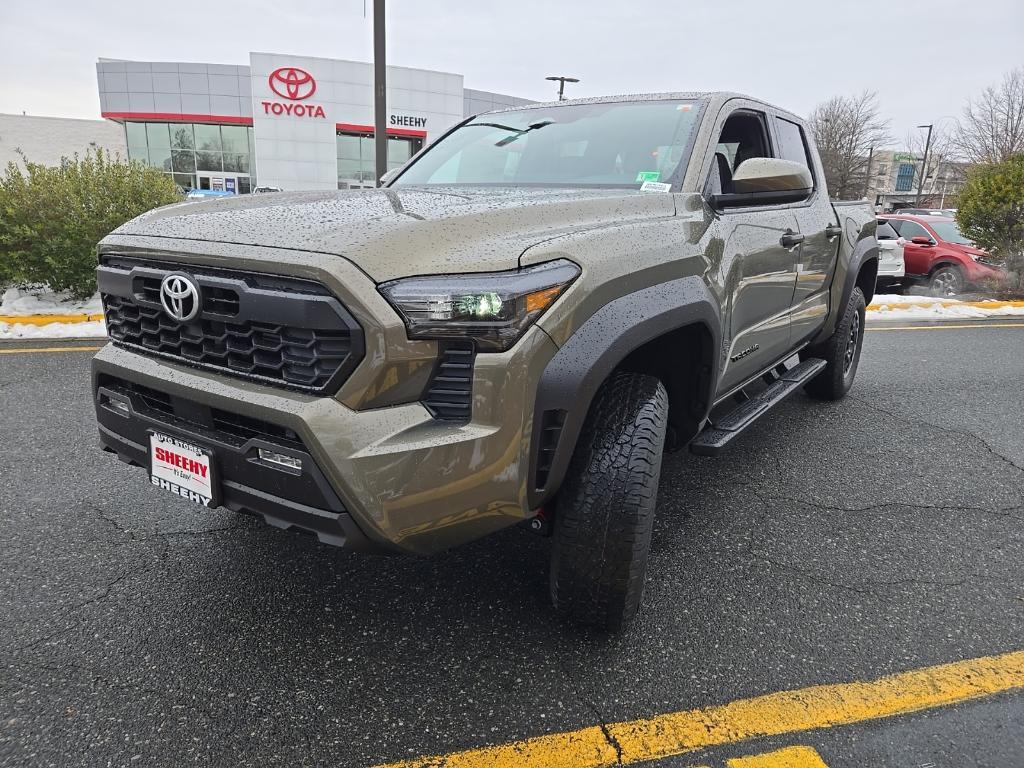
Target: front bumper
point(391, 478)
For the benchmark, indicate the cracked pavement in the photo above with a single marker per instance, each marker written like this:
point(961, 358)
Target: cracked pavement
point(834, 542)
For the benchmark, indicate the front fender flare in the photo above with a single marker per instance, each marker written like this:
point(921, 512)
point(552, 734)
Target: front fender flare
point(588, 357)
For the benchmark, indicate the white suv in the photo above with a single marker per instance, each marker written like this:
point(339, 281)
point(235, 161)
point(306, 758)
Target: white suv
point(890, 257)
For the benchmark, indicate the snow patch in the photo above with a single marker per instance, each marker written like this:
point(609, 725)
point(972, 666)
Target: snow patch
point(43, 301)
point(97, 329)
point(892, 307)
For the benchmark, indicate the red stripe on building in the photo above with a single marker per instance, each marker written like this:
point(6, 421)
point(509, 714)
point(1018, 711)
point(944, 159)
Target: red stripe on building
point(391, 131)
point(175, 117)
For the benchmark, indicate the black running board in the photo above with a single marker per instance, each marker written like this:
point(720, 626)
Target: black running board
point(715, 437)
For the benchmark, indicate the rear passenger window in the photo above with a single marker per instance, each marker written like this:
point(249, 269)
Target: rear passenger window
point(792, 145)
point(911, 229)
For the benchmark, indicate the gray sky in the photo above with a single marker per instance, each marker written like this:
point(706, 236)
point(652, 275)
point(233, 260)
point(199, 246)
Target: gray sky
point(795, 53)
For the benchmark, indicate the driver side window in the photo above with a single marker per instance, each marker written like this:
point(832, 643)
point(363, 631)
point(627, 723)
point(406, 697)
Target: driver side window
point(743, 136)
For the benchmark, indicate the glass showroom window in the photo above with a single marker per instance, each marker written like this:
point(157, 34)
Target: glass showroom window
point(186, 150)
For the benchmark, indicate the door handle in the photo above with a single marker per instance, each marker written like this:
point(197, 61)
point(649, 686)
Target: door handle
point(791, 240)
point(832, 231)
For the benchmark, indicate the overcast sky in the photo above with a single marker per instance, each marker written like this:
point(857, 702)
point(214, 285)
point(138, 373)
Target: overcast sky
point(924, 57)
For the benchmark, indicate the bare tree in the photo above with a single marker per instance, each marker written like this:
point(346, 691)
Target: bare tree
point(944, 176)
point(845, 129)
point(992, 128)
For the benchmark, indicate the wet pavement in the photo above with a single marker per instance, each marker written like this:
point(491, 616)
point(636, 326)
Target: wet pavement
point(835, 542)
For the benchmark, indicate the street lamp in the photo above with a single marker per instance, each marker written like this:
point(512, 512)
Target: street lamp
point(924, 165)
point(561, 84)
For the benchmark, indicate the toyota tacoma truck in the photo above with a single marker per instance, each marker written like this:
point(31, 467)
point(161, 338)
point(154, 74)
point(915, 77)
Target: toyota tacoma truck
point(514, 328)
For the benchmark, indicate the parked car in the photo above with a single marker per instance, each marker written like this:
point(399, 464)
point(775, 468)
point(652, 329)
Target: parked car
point(948, 212)
point(207, 194)
point(511, 331)
point(890, 257)
point(937, 255)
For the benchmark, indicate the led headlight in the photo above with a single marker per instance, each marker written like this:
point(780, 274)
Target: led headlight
point(494, 308)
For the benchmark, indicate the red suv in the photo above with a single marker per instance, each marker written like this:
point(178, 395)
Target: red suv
point(936, 254)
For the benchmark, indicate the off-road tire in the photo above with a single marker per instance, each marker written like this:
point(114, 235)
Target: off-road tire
point(841, 352)
point(605, 511)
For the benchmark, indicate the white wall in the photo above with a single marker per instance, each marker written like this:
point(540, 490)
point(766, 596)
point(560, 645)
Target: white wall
point(46, 139)
point(300, 152)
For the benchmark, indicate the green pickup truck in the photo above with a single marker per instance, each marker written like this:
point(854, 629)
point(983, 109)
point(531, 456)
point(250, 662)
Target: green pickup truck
point(513, 329)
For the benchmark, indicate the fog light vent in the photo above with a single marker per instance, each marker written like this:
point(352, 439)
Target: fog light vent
point(280, 460)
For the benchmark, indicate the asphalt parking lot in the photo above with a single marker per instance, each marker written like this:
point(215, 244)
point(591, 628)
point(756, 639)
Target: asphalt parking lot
point(835, 543)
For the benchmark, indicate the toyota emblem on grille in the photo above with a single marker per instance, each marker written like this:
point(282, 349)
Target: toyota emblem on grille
point(179, 296)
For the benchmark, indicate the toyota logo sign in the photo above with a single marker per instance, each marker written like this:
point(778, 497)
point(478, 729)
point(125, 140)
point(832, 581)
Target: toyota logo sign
point(292, 83)
point(179, 297)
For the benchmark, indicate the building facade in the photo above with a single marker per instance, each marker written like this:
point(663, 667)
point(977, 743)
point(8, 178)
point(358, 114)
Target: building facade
point(45, 140)
point(893, 178)
point(286, 122)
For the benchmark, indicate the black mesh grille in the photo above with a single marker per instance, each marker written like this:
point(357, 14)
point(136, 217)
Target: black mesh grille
point(272, 329)
point(449, 395)
point(155, 404)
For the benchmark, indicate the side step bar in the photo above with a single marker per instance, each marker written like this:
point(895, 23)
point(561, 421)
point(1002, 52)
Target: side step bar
point(715, 437)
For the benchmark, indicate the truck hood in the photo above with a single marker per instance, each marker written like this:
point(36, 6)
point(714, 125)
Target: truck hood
point(397, 232)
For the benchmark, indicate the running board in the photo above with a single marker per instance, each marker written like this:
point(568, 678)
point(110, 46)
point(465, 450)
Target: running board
point(715, 437)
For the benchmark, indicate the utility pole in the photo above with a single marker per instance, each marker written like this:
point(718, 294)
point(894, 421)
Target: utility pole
point(867, 173)
point(561, 84)
point(380, 92)
point(924, 165)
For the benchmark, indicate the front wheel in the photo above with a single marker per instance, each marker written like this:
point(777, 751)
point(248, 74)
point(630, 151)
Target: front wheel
point(841, 352)
point(606, 507)
point(946, 281)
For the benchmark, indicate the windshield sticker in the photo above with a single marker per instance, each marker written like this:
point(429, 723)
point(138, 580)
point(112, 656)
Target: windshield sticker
point(655, 186)
point(647, 176)
point(684, 107)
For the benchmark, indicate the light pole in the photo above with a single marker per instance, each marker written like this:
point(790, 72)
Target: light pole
point(380, 93)
point(924, 165)
point(561, 84)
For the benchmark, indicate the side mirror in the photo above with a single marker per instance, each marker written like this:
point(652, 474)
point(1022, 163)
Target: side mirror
point(387, 177)
point(767, 181)
point(922, 240)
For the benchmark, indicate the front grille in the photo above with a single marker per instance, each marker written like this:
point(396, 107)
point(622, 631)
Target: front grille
point(449, 395)
point(277, 330)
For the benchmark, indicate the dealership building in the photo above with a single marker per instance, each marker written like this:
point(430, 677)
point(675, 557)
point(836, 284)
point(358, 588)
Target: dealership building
point(290, 122)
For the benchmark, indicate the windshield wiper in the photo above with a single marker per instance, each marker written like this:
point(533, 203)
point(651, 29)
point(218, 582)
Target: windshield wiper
point(516, 132)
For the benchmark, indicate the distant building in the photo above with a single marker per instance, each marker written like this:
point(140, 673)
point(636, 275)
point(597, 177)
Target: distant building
point(290, 122)
point(46, 140)
point(893, 178)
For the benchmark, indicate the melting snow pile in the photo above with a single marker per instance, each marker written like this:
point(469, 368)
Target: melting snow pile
point(891, 307)
point(26, 302)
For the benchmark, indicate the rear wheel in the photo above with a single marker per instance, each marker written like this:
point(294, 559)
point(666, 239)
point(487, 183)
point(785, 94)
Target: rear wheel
point(841, 352)
point(606, 507)
point(946, 281)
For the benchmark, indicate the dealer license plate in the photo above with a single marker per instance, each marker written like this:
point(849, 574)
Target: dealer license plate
point(183, 469)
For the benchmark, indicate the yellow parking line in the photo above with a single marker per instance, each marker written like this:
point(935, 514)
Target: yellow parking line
point(790, 757)
point(28, 350)
point(945, 327)
point(676, 733)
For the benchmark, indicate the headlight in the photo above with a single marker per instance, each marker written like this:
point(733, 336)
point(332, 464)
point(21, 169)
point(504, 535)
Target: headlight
point(493, 308)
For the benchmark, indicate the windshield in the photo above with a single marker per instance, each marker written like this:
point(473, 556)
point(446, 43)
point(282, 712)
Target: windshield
point(950, 232)
point(620, 144)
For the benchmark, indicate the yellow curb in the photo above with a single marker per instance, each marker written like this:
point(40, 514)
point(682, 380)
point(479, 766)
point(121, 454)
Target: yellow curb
point(950, 303)
point(48, 319)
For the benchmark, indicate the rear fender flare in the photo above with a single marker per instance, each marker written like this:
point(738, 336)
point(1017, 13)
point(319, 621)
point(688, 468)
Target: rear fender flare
point(864, 251)
point(591, 354)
